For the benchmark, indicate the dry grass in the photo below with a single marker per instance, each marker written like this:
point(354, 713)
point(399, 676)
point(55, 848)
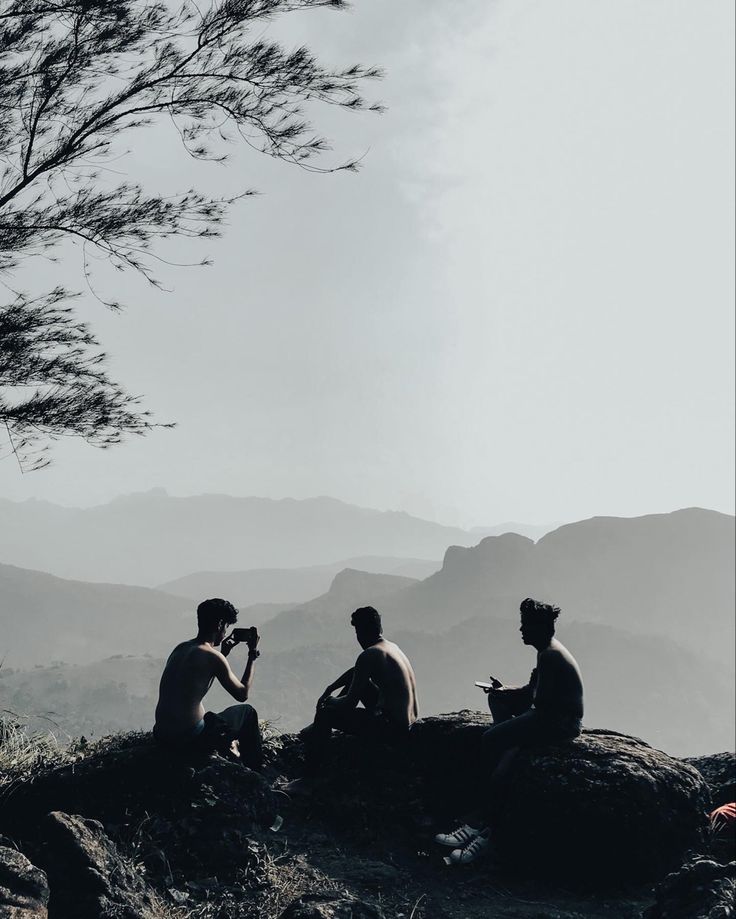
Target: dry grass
point(21, 754)
point(264, 889)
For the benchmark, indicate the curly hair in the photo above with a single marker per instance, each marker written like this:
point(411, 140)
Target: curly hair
point(543, 613)
point(368, 618)
point(211, 612)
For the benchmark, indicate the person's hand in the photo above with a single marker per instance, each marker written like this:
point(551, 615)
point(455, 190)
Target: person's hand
point(253, 640)
point(330, 701)
point(496, 687)
point(228, 644)
point(325, 695)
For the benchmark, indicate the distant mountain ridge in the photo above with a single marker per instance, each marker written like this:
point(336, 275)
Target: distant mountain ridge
point(647, 609)
point(671, 574)
point(45, 618)
point(288, 585)
point(665, 574)
point(154, 538)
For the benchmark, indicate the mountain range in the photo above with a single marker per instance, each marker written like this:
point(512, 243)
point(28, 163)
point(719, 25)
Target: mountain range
point(153, 538)
point(647, 609)
point(289, 585)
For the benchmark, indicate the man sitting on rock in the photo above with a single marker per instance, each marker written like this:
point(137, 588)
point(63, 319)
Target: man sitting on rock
point(547, 710)
point(181, 721)
point(382, 681)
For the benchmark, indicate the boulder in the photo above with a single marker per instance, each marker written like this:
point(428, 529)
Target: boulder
point(701, 889)
point(601, 807)
point(719, 771)
point(89, 877)
point(24, 891)
point(198, 814)
point(329, 906)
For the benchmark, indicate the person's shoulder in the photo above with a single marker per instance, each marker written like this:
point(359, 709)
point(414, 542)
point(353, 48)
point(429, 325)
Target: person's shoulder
point(214, 653)
point(553, 653)
point(372, 653)
point(208, 656)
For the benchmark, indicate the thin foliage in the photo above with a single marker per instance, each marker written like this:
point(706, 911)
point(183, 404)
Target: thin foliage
point(77, 77)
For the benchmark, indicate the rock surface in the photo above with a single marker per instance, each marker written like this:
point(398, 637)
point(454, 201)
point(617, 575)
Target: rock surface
point(602, 806)
point(24, 892)
point(719, 771)
point(133, 780)
point(89, 877)
point(701, 889)
point(319, 906)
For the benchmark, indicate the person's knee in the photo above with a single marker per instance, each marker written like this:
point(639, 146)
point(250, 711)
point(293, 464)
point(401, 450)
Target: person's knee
point(323, 717)
point(489, 741)
point(494, 742)
point(500, 711)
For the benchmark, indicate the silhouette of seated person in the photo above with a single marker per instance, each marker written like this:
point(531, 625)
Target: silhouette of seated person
point(181, 721)
point(377, 698)
point(547, 710)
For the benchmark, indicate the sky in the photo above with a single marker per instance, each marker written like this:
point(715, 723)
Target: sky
point(521, 308)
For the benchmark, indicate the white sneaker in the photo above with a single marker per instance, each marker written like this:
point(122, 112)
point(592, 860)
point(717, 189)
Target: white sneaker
point(471, 852)
point(459, 839)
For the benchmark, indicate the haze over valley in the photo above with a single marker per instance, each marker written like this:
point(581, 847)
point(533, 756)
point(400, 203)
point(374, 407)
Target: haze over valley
point(647, 609)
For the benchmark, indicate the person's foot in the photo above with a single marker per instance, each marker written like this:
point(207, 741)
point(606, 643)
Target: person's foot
point(303, 786)
point(474, 850)
point(459, 839)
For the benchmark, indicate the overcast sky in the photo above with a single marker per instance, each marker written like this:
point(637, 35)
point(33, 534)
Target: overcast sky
point(520, 309)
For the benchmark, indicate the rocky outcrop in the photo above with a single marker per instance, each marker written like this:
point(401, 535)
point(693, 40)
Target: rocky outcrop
point(89, 877)
point(319, 906)
point(24, 891)
point(201, 812)
point(701, 889)
point(719, 771)
point(602, 806)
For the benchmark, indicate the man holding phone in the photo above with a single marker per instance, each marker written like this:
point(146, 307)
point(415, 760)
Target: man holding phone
point(548, 710)
point(181, 721)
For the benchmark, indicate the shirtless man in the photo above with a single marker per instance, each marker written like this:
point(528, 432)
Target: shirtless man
point(192, 667)
point(382, 680)
point(548, 709)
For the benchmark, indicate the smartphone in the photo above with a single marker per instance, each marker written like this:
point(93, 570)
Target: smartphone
point(494, 684)
point(245, 634)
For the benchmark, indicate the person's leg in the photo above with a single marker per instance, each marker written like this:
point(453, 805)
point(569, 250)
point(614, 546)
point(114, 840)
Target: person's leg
point(243, 722)
point(317, 736)
point(500, 745)
point(369, 697)
point(500, 709)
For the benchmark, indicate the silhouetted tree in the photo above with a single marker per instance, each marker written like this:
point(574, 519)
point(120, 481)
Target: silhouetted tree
point(75, 76)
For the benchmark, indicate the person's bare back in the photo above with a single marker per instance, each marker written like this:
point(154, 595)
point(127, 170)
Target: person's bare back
point(559, 689)
point(391, 672)
point(187, 677)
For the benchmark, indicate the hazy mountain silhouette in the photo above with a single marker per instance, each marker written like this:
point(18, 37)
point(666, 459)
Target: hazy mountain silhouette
point(669, 574)
point(288, 585)
point(647, 609)
point(530, 530)
point(325, 620)
point(45, 618)
point(153, 538)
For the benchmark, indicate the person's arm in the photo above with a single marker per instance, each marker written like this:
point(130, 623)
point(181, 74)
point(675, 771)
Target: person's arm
point(518, 698)
point(340, 683)
point(238, 688)
point(359, 684)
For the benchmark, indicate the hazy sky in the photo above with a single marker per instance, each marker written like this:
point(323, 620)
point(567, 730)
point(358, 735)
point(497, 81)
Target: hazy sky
point(521, 308)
